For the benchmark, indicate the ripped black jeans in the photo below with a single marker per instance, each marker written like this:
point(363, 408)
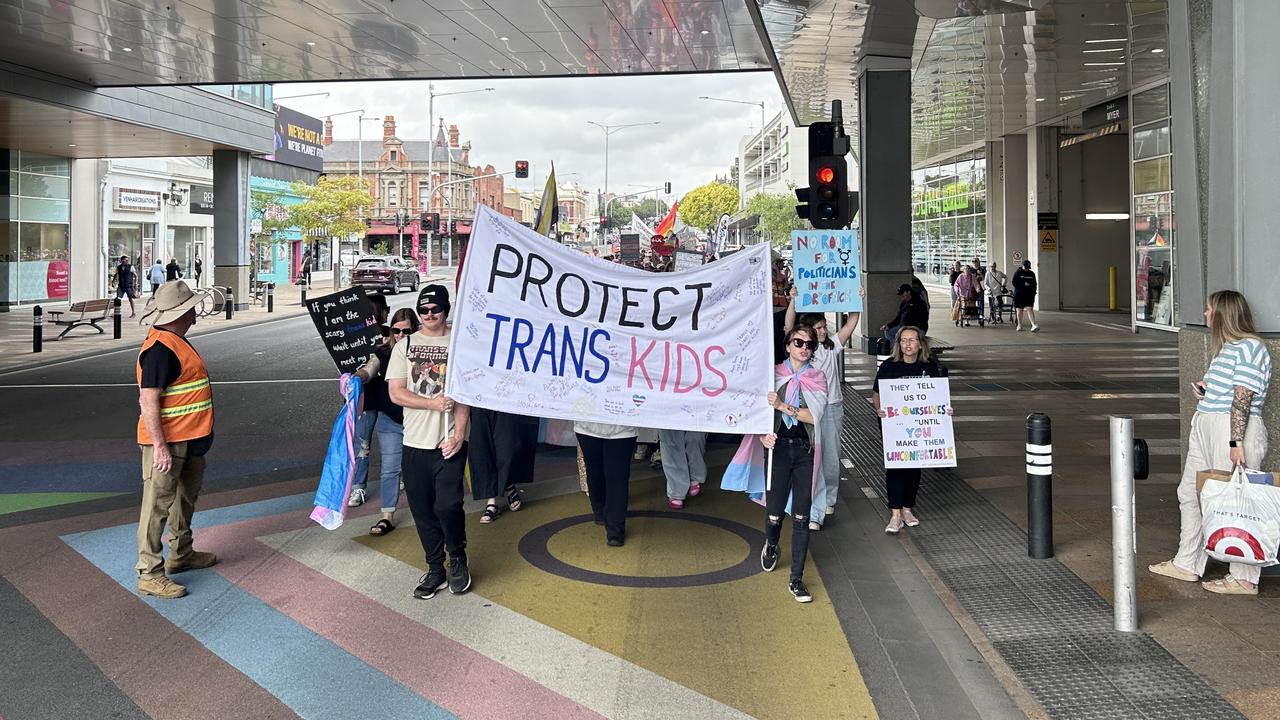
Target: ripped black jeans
point(792, 477)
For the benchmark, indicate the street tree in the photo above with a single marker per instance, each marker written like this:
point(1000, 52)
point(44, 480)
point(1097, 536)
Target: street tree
point(777, 217)
point(333, 206)
point(703, 206)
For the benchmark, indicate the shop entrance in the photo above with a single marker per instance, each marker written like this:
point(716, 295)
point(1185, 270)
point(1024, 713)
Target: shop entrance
point(1093, 235)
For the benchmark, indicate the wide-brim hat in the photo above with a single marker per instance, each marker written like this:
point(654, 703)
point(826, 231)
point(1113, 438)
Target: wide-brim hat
point(170, 302)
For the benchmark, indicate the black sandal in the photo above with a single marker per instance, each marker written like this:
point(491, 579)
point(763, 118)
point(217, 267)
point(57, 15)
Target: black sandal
point(515, 499)
point(490, 514)
point(382, 527)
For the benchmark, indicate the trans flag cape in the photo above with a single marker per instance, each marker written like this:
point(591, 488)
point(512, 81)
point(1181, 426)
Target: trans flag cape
point(340, 460)
point(746, 472)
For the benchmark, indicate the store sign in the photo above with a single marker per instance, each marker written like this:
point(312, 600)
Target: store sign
point(137, 200)
point(299, 140)
point(56, 279)
point(1107, 112)
point(201, 200)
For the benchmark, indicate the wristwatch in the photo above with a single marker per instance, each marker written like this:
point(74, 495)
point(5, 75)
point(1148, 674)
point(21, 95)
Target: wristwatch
point(1235, 443)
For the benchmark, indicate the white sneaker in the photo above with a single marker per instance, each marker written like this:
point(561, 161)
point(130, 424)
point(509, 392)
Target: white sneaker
point(814, 526)
point(909, 518)
point(895, 524)
point(831, 509)
point(357, 498)
point(1017, 328)
point(1035, 328)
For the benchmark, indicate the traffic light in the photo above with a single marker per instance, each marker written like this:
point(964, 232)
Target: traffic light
point(430, 221)
point(453, 227)
point(522, 168)
point(802, 197)
point(668, 188)
point(829, 205)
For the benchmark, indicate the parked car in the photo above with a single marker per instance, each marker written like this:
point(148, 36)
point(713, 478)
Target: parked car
point(386, 273)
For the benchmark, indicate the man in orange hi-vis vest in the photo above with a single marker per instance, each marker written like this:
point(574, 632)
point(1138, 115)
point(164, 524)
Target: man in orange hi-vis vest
point(175, 430)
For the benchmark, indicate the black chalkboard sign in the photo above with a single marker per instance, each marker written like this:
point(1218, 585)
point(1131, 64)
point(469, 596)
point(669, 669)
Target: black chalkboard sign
point(348, 326)
point(629, 247)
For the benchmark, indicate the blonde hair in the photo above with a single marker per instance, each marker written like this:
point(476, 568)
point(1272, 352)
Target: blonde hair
point(896, 355)
point(1232, 319)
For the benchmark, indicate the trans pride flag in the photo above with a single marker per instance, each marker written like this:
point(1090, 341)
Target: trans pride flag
point(340, 460)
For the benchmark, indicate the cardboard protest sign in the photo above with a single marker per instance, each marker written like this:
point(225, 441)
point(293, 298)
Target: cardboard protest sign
point(542, 330)
point(348, 326)
point(686, 260)
point(827, 275)
point(918, 431)
point(629, 247)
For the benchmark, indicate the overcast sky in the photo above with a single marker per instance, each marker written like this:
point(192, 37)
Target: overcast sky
point(545, 119)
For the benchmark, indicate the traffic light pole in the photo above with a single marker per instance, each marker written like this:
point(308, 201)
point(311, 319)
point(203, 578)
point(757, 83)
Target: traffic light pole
point(444, 185)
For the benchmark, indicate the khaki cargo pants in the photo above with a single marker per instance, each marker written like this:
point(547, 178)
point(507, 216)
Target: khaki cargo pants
point(167, 497)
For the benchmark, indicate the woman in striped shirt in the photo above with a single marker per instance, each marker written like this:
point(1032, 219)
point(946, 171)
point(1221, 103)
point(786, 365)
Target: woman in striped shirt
point(1226, 431)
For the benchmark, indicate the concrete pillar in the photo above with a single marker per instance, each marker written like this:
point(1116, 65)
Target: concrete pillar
point(1015, 202)
point(1042, 197)
point(995, 207)
point(1222, 58)
point(231, 222)
point(91, 269)
point(884, 121)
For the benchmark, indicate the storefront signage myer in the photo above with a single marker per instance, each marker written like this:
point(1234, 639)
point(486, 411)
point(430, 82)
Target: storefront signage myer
point(137, 200)
point(201, 200)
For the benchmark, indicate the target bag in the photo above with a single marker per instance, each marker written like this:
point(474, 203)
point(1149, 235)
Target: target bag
point(1241, 520)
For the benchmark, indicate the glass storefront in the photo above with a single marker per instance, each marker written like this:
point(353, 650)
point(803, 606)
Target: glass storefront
point(137, 240)
point(948, 216)
point(35, 251)
point(1153, 216)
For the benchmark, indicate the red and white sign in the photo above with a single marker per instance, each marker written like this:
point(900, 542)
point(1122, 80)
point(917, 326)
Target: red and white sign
point(56, 279)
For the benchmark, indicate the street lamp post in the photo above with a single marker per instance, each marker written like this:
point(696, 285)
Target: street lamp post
point(610, 130)
point(762, 121)
point(431, 167)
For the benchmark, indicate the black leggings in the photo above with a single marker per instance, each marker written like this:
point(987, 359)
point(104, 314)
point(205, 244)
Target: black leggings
point(433, 488)
point(901, 485)
point(792, 478)
point(608, 465)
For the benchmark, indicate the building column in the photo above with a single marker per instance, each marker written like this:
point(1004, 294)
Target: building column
point(1015, 204)
point(1221, 56)
point(884, 171)
point(995, 207)
point(1042, 199)
point(231, 223)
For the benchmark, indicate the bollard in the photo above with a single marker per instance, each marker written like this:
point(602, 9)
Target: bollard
point(230, 301)
point(37, 329)
point(304, 296)
point(115, 319)
point(1039, 486)
point(271, 297)
point(1124, 531)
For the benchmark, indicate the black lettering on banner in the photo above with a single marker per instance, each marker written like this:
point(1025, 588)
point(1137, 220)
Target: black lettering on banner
point(627, 302)
point(697, 305)
point(657, 307)
point(495, 273)
point(604, 304)
point(529, 279)
point(586, 295)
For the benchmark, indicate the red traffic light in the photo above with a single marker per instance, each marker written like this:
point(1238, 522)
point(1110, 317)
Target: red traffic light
point(522, 168)
point(825, 174)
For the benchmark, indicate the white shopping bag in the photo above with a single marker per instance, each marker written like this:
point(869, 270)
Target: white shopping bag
point(1241, 520)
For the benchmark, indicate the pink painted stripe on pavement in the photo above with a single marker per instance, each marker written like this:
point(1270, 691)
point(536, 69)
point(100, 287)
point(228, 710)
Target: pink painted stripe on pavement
point(457, 678)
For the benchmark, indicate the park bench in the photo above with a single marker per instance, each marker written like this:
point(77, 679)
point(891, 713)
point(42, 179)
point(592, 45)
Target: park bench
point(86, 312)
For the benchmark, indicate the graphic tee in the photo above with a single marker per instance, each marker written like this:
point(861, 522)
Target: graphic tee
point(421, 361)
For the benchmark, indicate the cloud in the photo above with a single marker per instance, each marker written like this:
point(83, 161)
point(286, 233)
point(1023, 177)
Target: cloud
point(545, 119)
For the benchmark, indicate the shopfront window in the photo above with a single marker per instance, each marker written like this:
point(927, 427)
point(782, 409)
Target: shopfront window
point(1153, 213)
point(35, 250)
point(948, 211)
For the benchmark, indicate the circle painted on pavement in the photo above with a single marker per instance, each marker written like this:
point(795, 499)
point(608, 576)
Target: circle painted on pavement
point(533, 548)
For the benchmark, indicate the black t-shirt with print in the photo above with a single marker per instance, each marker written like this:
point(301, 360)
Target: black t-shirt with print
point(897, 369)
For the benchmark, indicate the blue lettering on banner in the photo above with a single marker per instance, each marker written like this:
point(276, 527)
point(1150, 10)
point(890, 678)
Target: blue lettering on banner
point(571, 356)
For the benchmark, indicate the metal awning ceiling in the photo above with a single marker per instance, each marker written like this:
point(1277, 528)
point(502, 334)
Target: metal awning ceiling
point(142, 42)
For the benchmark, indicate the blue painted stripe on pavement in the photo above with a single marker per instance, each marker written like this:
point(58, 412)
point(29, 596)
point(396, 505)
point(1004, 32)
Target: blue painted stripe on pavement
point(305, 671)
point(120, 476)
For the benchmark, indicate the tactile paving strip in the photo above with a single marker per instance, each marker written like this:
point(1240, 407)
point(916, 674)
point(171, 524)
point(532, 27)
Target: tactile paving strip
point(1049, 626)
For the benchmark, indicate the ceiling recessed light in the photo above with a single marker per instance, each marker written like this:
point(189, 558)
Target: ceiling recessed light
point(310, 44)
point(1104, 50)
point(1106, 40)
point(71, 145)
point(504, 38)
point(128, 49)
point(706, 32)
point(1039, 99)
point(1102, 64)
point(1157, 51)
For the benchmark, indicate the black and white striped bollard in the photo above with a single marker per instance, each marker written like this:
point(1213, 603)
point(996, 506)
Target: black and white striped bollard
point(1039, 486)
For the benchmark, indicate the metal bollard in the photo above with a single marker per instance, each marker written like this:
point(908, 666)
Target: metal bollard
point(37, 329)
point(1124, 530)
point(230, 302)
point(271, 297)
point(1039, 486)
point(304, 296)
point(115, 319)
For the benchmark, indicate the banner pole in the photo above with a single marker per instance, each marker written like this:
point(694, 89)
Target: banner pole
point(768, 472)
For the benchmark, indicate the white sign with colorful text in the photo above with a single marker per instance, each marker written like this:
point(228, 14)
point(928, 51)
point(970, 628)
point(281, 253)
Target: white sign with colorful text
point(540, 329)
point(917, 429)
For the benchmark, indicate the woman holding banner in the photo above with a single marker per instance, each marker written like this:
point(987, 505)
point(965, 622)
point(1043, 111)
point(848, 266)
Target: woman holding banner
point(910, 359)
point(826, 358)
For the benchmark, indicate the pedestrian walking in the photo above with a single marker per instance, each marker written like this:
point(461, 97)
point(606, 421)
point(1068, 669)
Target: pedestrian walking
point(156, 276)
point(175, 431)
point(826, 357)
point(199, 270)
point(172, 271)
point(1226, 431)
point(386, 419)
point(968, 290)
point(952, 276)
point(910, 359)
point(995, 282)
point(435, 445)
point(1024, 296)
point(684, 463)
point(501, 455)
point(304, 270)
point(125, 280)
point(606, 453)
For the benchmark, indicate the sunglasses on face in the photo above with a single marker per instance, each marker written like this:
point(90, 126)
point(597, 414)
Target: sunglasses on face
point(401, 331)
point(810, 344)
point(430, 310)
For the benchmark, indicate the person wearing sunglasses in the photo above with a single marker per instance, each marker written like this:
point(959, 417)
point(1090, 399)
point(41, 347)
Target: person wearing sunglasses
point(827, 359)
point(910, 359)
point(368, 420)
point(388, 422)
point(435, 445)
point(798, 404)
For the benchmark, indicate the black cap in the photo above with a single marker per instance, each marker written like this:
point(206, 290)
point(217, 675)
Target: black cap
point(435, 295)
point(904, 287)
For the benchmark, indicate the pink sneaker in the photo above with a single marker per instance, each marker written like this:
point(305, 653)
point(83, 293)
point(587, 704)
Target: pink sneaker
point(675, 504)
point(695, 489)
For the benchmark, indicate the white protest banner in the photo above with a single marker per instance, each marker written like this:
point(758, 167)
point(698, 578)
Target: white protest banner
point(917, 431)
point(542, 330)
point(827, 275)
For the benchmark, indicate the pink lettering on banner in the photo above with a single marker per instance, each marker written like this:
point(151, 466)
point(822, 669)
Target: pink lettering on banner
point(56, 280)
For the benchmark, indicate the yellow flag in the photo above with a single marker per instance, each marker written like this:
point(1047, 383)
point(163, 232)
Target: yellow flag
point(549, 208)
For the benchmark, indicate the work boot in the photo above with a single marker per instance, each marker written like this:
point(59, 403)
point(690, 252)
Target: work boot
point(160, 586)
point(195, 561)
